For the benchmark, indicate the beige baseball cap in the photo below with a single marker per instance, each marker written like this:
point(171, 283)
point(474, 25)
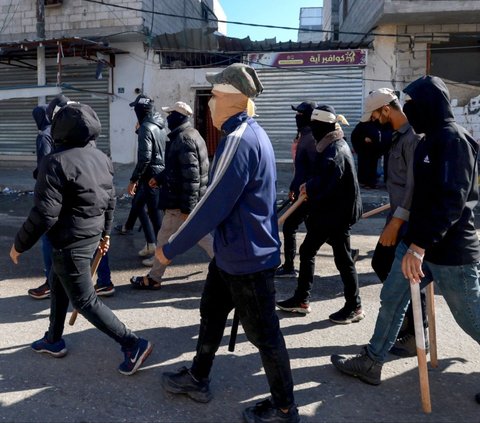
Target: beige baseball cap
point(375, 100)
point(179, 107)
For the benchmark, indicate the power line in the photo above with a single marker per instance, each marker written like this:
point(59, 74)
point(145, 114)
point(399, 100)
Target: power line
point(173, 15)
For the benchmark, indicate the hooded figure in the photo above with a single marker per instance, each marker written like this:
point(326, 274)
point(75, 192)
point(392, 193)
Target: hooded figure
point(44, 142)
point(334, 204)
point(445, 172)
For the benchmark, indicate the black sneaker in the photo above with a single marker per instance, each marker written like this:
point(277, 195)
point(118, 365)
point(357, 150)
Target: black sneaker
point(135, 356)
point(40, 293)
point(477, 398)
point(284, 272)
point(122, 230)
point(265, 411)
point(55, 349)
point(105, 291)
point(294, 306)
point(361, 366)
point(406, 346)
point(183, 382)
point(344, 316)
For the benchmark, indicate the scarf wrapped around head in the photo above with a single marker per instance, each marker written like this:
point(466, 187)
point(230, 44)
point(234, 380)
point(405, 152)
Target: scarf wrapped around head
point(326, 122)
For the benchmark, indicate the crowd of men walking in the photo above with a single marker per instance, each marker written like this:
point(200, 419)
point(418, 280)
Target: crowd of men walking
point(228, 207)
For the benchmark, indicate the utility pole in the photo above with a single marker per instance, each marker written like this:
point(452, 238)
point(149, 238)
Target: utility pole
point(41, 73)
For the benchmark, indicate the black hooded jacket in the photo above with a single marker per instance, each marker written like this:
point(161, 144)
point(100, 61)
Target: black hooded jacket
point(152, 137)
point(333, 191)
point(44, 142)
point(445, 172)
point(74, 193)
point(186, 170)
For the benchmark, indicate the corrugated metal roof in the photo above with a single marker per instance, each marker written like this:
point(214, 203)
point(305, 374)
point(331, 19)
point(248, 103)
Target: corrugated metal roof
point(203, 40)
point(71, 47)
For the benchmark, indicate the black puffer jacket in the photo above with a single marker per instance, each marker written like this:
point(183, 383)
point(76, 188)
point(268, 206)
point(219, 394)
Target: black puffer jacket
point(333, 192)
point(74, 194)
point(186, 169)
point(446, 188)
point(152, 137)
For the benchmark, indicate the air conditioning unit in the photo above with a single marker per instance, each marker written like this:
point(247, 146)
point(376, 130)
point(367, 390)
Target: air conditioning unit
point(53, 3)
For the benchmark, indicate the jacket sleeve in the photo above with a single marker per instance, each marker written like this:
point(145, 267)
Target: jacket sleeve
point(228, 182)
point(454, 166)
point(48, 198)
point(403, 210)
point(190, 175)
point(144, 154)
point(111, 206)
point(321, 187)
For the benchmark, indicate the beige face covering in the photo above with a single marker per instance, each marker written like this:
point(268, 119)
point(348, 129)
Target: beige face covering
point(226, 104)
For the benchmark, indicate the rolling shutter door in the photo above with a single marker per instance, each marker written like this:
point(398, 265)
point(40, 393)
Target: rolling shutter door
point(340, 87)
point(17, 127)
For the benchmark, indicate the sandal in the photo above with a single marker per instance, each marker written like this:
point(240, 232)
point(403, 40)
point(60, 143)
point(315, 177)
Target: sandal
point(144, 282)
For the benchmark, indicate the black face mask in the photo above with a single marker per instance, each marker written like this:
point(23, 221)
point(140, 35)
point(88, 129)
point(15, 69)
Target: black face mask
point(415, 117)
point(302, 121)
point(175, 119)
point(320, 129)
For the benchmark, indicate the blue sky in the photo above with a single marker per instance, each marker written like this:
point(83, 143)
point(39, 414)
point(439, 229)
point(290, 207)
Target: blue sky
point(267, 12)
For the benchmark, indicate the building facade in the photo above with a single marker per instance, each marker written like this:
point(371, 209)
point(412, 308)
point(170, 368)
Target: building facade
point(413, 38)
point(99, 54)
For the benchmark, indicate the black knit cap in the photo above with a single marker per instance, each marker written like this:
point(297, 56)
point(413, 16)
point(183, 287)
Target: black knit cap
point(76, 124)
point(305, 107)
point(55, 105)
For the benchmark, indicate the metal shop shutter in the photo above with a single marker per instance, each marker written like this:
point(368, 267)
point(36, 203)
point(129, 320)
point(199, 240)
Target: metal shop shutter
point(17, 127)
point(340, 87)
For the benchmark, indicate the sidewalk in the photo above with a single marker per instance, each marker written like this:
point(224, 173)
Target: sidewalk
point(17, 176)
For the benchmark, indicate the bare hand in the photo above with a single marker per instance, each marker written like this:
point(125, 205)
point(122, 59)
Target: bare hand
point(104, 245)
point(291, 196)
point(303, 191)
point(152, 183)
point(161, 257)
point(132, 187)
point(14, 254)
point(389, 236)
point(412, 266)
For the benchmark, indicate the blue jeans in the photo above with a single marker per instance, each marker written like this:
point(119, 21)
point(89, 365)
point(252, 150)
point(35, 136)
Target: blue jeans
point(459, 286)
point(150, 222)
point(103, 272)
point(70, 280)
point(253, 296)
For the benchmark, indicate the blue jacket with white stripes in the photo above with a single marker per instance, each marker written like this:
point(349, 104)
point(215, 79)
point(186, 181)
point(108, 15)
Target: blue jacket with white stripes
point(239, 205)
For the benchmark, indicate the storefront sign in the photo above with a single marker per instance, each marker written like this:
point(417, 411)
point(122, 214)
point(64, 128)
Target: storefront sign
point(309, 59)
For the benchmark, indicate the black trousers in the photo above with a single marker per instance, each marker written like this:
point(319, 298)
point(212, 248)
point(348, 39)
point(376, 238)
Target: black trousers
point(253, 296)
point(319, 232)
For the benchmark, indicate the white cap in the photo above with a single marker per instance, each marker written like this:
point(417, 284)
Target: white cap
point(375, 100)
point(179, 107)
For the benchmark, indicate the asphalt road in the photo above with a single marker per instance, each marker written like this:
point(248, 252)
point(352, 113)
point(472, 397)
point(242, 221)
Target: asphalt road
point(85, 386)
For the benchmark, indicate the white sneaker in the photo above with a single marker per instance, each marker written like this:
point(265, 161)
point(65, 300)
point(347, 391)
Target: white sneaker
point(148, 250)
point(148, 262)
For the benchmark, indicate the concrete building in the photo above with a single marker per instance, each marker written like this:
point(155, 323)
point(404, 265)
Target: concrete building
point(310, 21)
point(412, 38)
point(99, 54)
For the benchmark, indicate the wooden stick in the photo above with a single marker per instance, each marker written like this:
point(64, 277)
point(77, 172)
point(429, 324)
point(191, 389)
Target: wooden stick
point(95, 263)
point(301, 198)
point(432, 329)
point(421, 354)
point(376, 211)
point(233, 333)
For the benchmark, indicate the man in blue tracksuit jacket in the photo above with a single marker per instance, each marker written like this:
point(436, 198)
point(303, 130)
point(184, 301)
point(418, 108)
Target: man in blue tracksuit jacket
point(239, 206)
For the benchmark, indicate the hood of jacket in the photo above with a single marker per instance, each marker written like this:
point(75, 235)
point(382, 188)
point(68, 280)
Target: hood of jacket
point(155, 119)
point(39, 113)
point(432, 98)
